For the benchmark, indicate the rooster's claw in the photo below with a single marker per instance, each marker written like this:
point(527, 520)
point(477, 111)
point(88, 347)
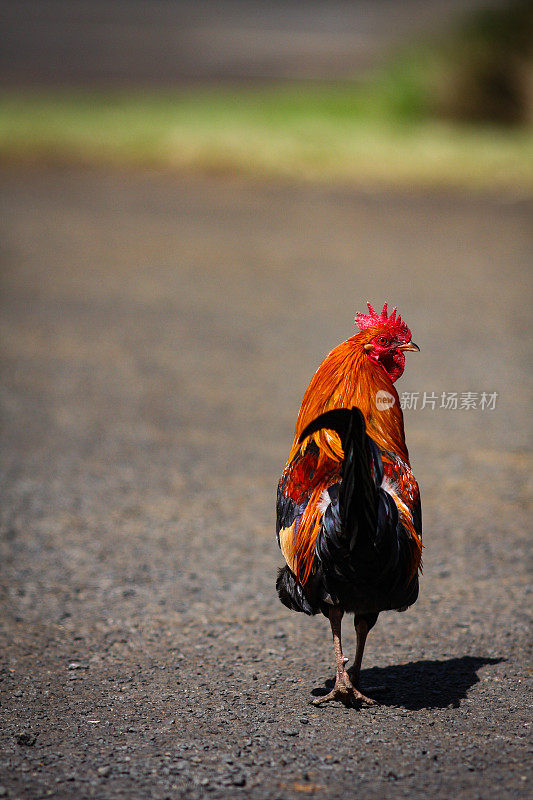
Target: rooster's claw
point(346, 693)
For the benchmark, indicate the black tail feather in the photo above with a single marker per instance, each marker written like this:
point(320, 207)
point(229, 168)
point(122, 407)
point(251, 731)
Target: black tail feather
point(291, 593)
point(337, 420)
point(358, 493)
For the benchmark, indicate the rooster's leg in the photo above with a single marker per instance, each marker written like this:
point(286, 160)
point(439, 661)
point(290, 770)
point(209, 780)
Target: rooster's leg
point(361, 629)
point(343, 689)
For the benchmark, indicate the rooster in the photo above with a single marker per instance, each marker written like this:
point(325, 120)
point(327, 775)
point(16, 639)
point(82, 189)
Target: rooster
point(349, 520)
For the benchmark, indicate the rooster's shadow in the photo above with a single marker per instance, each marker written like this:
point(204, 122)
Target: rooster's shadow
point(421, 684)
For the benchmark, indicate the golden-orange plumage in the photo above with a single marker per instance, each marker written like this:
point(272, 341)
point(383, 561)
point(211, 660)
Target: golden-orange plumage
point(346, 378)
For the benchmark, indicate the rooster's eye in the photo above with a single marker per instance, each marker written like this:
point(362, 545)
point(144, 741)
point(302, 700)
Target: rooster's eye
point(383, 340)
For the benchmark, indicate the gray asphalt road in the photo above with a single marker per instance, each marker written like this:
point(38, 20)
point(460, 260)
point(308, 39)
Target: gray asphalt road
point(164, 42)
point(158, 334)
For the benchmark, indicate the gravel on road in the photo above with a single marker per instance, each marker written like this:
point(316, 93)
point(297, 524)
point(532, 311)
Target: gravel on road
point(158, 334)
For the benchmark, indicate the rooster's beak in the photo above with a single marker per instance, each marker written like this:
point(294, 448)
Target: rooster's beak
point(410, 346)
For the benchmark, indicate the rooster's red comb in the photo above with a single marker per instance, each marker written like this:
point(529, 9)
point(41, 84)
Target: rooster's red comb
point(393, 324)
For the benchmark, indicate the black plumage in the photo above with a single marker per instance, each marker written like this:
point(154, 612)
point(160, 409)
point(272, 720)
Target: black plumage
point(363, 552)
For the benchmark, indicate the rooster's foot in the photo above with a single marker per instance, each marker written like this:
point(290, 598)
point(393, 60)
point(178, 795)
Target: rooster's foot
point(346, 693)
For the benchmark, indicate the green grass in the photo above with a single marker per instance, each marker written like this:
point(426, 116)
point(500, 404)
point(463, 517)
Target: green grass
point(381, 132)
point(455, 111)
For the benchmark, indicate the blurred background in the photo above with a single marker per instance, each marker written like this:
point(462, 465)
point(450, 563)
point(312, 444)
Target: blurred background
point(413, 92)
point(195, 199)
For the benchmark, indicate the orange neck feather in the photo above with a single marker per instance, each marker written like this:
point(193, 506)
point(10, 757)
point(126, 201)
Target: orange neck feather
point(346, 378)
